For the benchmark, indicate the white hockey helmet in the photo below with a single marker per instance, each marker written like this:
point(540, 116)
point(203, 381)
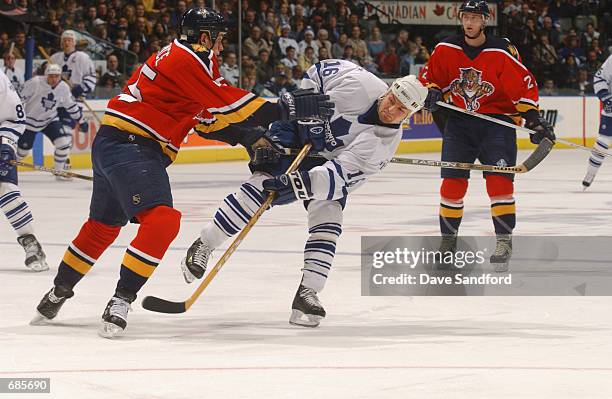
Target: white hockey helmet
point(410, 92)
point(53, 69)
point(69, 34)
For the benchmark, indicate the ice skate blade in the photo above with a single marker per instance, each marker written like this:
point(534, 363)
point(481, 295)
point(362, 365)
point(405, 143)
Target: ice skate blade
point(38, 267)
point(39, 320)
point(301, 319)
point(189, 278)
point(109, 330)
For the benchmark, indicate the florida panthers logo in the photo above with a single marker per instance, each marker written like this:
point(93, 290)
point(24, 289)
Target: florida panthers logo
point(471, 87)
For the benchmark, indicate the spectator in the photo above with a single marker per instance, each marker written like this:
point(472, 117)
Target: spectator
point(265, 68)
point(572, 48)
point(254, 43)
point(551, 31)
point(279, 85)
point(376, 44)
point(290, 59)
point(323, 54)
point(338, 48)
point(333, 30)
point(229, 70)
point(298, 75)
point(549, 88)
point(19, 50)
point(8, 5)
point(249, 21)
point(421, 55)
point(285, 41)
point(272, 42)
point(112, 78)
point(308, 42)
point(356, 41)
point(544, 58)
point(366, 61)
point(284, 13)
point(592, 64)
point(528, 40)
point(569, 72)
point(589, 35)
point(349, 54)
point(307, 59)
point(322, 40)
point(388, 62)
point(583, 85)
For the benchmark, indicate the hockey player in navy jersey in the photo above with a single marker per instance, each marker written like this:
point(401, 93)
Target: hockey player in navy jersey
point(484, 74)
point(16, 210)
point(45, 98)
point(357, 142)
point(602, 85)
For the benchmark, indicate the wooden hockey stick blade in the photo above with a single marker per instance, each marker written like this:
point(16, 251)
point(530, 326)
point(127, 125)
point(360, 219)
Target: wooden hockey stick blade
point(55, 172)
point(160, 305)
point(531, 162)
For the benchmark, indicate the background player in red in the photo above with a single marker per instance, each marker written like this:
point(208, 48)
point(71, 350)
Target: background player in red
point(484, 74)
point(141, 133)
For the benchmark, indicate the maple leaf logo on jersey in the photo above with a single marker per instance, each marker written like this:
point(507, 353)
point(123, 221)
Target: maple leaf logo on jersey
point(48, 102)
point(471, 87)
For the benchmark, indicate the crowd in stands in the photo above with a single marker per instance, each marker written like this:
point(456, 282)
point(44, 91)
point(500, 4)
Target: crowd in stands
point(562, 41)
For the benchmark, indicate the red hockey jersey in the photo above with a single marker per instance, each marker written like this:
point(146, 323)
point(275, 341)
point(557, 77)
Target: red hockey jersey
point(172, 92)
point(489, 79)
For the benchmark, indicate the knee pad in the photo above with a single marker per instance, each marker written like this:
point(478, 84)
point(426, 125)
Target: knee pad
point(63, 143)
point(95, 237)
point(164, 222)
point(499, 186)
point(453, 188)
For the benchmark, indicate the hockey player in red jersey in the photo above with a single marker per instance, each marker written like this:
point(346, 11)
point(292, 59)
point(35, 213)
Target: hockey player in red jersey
point(484, 74)
point(141, 133)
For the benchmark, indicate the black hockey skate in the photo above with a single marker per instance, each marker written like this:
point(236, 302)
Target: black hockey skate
point(36, 260)
point(503, 251)
point(448, 244)
point(114, 318)
point(50, 305)
point(67, 168)
point(307, 310)
point(194, 264)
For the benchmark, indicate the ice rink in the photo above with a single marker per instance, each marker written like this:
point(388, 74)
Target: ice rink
point(235, 342)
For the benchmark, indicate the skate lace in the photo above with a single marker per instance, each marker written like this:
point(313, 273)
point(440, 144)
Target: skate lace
point(120, 308)
point(502, 248)
point(310, 297)
point(200, 257)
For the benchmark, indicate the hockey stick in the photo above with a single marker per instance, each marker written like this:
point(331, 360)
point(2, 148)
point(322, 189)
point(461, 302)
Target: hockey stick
point(44, 54)
point(517, 127)
point(160, 305)
point(531, 162)
point(56, 172)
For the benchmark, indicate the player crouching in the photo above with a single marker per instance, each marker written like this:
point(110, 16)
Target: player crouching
point(359, 140)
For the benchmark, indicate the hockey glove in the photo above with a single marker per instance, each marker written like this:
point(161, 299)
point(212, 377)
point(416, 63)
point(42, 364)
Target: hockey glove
point(289, 187)
point(305, 104)
point(606, 98)
point(433, 96)
point(314, 134)
point(7, 154)
point(84, 127)
point(542, 128)
point(77, 91)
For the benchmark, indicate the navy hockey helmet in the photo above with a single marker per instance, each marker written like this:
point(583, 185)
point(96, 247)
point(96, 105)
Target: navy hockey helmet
point(475, 6)
point(197, 20)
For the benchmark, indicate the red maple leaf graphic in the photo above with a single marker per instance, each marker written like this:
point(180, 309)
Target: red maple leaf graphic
point(439, 10)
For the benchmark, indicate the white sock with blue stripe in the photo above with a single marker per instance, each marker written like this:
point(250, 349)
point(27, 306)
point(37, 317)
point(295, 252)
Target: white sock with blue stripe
point(16, 209)
point(324, 227)
point(235, 212)
point(596, 159)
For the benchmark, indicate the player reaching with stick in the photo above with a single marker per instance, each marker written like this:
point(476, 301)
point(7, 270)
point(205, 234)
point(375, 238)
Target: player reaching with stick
point(140, 136)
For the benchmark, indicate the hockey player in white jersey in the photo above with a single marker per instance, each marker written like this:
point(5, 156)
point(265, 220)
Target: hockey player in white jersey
point(77, 67)
point(602, 85)
point(45, 98)
point(357, 142)
point(14, 74)
point(16, 210)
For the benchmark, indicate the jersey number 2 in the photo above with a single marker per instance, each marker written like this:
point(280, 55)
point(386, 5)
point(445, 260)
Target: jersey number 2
point(133, 88)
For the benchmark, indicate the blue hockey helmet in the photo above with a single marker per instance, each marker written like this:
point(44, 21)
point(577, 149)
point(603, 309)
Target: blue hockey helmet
point(475, 6)
point(197, 20)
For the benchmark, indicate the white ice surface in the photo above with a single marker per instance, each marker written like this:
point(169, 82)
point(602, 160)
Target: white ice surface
point(235, 342)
